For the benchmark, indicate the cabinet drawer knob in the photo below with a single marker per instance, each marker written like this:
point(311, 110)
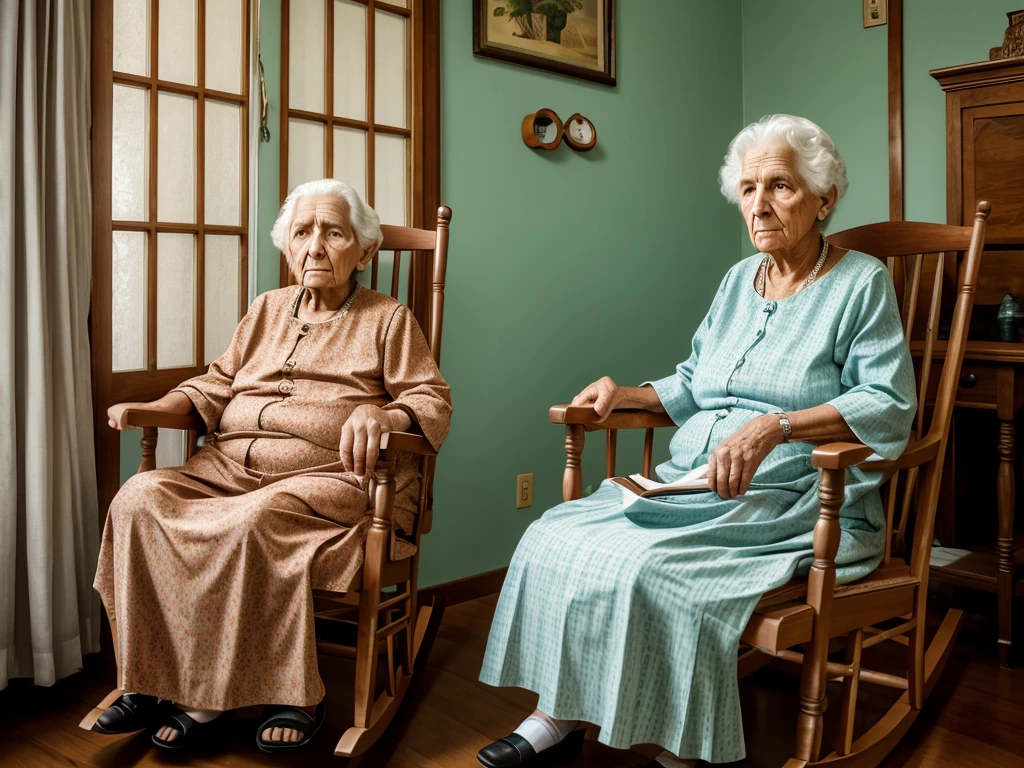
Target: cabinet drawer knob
point(968, 380)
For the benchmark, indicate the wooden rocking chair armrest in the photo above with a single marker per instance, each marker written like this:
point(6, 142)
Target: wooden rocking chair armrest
point(138, 418)
point(396, 442)
point(620, 418)
point(913, 456)
point(839, 455)
point(845, 455)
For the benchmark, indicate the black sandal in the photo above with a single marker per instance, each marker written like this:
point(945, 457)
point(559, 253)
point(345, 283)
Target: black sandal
point(191, 731)
point(297, 719)
point(130, 712)
point(514, 750)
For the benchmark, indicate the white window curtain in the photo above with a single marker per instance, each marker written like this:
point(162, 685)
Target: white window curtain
point(49, 614)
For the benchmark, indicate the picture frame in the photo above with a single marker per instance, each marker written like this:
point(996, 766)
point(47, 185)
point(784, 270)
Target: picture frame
point(575, 38)
point(876, 13)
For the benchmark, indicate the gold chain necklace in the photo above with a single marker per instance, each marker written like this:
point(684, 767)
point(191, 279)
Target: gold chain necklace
point(762, 271)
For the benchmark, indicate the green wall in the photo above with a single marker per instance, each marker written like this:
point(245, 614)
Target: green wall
point(815, 59)
point(566, 266)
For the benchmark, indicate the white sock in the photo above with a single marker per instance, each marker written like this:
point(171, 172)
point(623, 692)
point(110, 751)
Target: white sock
point(202, 715)
point(668, 760)
point(544, 731)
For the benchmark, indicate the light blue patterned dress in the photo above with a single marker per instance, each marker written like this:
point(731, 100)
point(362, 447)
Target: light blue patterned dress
point(627, 612)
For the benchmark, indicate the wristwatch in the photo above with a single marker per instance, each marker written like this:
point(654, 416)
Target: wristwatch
point(787, 428)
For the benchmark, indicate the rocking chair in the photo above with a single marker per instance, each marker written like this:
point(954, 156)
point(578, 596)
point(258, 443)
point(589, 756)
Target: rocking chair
point(364, 623)
point(811, 611)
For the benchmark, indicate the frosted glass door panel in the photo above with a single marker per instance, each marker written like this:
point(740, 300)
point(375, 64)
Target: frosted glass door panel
point(349, 59)
point(129, 257)
point(177, 44)
point(306, 55)
point(350, 158)
point(129, 157)
point(389, 72)
point(176, 158)
point(223, 163)
point(170, 447)
point(389, 179)
point(221, 294)
point(175, 291)
point(131, 37)
point(224, 45)
point(305, 152)
point(399, 3)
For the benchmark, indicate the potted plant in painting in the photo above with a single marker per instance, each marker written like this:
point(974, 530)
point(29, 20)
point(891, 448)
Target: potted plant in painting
point(554, 13)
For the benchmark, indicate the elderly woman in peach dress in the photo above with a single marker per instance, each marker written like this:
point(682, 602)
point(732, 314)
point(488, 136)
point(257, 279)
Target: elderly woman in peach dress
point(207, 570)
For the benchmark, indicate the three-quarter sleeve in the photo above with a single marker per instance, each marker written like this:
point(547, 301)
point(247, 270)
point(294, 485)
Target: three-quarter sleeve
point(879, 398)
point(412, 379)
point(211, 392)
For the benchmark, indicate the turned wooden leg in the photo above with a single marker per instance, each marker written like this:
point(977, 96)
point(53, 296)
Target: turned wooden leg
point(378, 543)
point(572, 479)
point(148, 441)
point(1004, 544)
point(820, 584)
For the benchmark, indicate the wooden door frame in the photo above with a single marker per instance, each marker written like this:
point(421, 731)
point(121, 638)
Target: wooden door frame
point(895, 87)
point(109, 387)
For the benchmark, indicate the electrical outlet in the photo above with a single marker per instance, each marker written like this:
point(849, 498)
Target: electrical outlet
point(524, 491)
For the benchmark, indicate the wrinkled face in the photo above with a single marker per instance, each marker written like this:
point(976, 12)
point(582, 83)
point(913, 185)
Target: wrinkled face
point(323, 247)
point(779, 209)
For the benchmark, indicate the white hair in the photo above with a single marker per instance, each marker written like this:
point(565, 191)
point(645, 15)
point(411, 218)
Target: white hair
point(818, 160)
point(364, 220)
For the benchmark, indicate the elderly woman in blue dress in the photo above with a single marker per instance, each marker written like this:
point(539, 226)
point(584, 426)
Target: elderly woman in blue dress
point(626, 612)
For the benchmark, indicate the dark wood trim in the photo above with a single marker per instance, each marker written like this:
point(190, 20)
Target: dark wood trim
point(154, 172)
point(243, 240)
point(967, 76)
point(465, 589)
point(182, 89)
point(176, 228)
point(102, 96)
point(607, 77)
point(395, 9)
point(371, 104)
point(199, 274)
point(895, 31)
point(329, 88)
point(282, 279)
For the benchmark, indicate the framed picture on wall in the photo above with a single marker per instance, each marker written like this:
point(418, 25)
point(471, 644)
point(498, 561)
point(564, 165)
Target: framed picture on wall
point(570, 37)
point(876, 12)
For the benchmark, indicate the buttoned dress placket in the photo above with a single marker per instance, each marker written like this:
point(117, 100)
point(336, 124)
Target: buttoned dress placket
point(286, 386)
point(731, 401)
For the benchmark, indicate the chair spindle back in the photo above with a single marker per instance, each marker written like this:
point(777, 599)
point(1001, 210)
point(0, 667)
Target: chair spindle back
point(424, 296)
point(910, 250)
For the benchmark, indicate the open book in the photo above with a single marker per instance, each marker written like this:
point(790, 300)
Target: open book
point(694, 481)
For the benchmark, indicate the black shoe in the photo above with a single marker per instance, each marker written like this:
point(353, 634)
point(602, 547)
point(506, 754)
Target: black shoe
point(514, 750)
point(191, 731)
point(289, 717)
point(130, 712)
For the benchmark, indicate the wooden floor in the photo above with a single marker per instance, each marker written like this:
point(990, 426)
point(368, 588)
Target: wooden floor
point(975, 717)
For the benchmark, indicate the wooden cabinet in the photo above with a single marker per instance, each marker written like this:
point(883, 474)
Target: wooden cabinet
point(985, 161)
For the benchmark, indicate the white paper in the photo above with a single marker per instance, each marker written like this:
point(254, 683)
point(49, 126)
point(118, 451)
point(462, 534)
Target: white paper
point(695, 478)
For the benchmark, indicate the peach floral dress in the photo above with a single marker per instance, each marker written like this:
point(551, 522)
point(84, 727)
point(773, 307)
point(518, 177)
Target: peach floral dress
point(208, 569)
